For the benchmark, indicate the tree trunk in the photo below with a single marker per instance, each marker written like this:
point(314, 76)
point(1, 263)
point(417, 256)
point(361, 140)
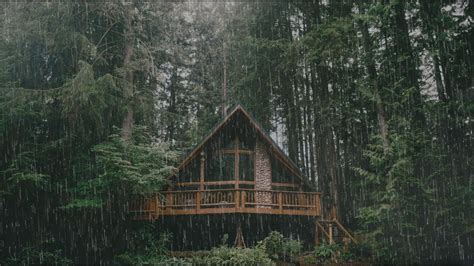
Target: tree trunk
point(309, 132)
point(224, 81)
point(127, 122)
point(430, 12)
point(407, 65)
point(372, 71)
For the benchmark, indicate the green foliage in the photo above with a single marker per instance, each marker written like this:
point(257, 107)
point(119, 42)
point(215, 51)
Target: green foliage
point(48, 253)
point(336, 253)
point(278, 247)
point(125, 168)
point(304, 69)
point(146, 248)
point(141, 166)
point(398, 194)
point(326, 252)
point(224, 255)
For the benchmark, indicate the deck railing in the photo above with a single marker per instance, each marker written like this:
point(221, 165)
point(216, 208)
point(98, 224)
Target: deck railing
point(228, 201)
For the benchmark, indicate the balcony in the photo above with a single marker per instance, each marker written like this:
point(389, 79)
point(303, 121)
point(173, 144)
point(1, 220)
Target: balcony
point(221, 201)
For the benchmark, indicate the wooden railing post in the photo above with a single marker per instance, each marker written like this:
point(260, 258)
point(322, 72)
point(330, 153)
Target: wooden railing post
point(236, 199)
point(198, 200)
point(169, 199)
point(177, 202)
point(318, 203)
point(280, 202)
point(299, 198)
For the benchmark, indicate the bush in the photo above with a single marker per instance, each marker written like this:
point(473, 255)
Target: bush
point(47, 253)
point(327, 252)
point(224, 255)
point(145, 247)
point(335, 253)
point(278, 247)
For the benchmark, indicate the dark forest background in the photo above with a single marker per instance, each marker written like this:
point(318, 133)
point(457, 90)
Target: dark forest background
point(374, 100)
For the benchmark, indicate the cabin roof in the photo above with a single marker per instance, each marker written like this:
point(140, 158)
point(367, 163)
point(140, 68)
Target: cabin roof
point(273, 147)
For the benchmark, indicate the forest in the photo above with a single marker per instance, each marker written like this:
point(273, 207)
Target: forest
point(99, 100)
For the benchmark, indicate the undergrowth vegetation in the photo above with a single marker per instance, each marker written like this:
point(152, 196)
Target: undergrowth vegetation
point(272, 250)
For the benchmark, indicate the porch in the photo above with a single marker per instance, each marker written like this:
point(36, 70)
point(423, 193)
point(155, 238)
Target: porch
point(220, 201)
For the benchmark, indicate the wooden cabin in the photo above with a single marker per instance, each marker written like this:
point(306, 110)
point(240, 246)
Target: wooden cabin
point(236, 169)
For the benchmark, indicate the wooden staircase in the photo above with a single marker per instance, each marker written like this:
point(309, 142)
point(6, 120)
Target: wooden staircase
point(334, 232)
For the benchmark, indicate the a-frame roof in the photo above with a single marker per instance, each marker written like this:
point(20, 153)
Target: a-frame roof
point(273, 147)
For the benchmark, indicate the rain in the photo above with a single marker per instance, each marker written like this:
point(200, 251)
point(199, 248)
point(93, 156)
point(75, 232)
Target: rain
point(237, 132)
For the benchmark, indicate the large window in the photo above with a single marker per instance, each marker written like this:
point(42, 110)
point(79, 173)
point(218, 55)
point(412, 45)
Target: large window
point(221, 167)
point(246, 167)
point(190, 173)
point(281, 174)
point(232, 159)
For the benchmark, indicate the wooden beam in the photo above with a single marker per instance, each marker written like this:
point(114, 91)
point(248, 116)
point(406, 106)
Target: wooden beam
point(241, 189)
point(198, 200)
point(280, 202)
point(345, 230)
point(202, 172)
point(211, 183)
point(316, 234)
point(236, 198)
point(322, 229)
point(331, 240)
point(275, 184)
point(236, 163)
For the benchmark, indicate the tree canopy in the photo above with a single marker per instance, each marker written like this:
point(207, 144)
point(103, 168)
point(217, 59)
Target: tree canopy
point(372, 99)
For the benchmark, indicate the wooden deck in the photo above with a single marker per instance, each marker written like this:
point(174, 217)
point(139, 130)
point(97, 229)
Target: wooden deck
point(197, 202)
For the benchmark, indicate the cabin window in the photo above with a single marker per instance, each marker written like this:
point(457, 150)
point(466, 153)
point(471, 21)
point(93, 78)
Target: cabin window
point(221, 167)
point(246, 167)
point(281, 174)
point(247, 143)
point(190, 173)
point(229, 144)
point(231, 159)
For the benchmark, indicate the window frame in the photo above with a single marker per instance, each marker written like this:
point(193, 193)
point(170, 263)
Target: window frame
point(236, 152)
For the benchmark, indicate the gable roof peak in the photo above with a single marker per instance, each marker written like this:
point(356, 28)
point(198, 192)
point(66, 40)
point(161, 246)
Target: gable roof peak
point(259, 129)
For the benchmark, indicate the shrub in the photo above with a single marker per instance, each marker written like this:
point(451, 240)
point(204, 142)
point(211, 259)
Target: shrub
point(326, 252)
point(145, 247)
point(278, 247)
point(47, 253)
point(335, 253)
point(224, 255)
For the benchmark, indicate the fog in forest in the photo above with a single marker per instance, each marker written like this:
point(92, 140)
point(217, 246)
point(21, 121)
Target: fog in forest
point(237, 132)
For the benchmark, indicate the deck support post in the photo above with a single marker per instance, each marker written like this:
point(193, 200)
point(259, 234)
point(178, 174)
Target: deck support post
point(331, 240)
point(316, 233)
point(239, 237)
